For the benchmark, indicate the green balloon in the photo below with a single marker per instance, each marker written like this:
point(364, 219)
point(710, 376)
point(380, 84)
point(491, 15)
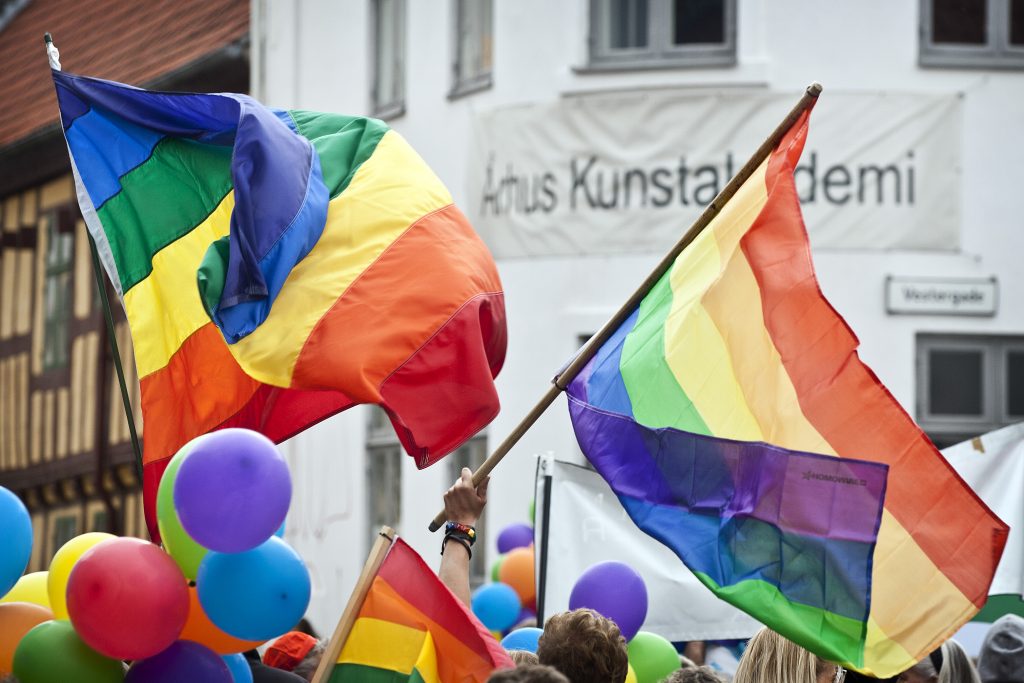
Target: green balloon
point(53, 653)
point(176, 541)
point(496, 568)
point(533, 511)
point(653, 658)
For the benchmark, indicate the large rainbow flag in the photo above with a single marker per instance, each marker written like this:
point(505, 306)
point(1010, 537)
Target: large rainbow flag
point(734, 420)
point(277, 267)
point(412, 628)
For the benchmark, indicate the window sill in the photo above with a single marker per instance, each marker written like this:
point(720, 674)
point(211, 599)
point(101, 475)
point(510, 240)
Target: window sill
point(971, 61)
point(387, 112)
point(470, 86)
point(605, 67)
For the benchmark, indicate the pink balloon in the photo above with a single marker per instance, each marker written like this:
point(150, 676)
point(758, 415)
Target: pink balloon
point(127, 599)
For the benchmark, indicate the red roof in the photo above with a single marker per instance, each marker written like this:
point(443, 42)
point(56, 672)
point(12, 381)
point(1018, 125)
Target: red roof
point(121, 40)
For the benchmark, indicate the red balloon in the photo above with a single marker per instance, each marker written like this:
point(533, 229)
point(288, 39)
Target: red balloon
point(127, 599)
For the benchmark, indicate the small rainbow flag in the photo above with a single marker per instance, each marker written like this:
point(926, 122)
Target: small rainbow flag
point(412, 628)
point(277, 267)
point(716, 413)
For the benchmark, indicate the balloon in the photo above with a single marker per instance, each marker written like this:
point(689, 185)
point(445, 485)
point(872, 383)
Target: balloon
point(17, 619)
point(127, 599)
point(515, 536)
point(182, 661)
point(239, 517)
point(62, 564)
point(53, 653)
point(255, 595)
point(522, 639)
point(239, 667)
point(630, 674)
point(280, 531)
point(201, 630)
point(496, 605)
point(30, 588)
point(182, 547)
point(17, 550)
point(533, 511)
point(652, 657)
point(496, 568)
point(615, 590)
point(517, 571)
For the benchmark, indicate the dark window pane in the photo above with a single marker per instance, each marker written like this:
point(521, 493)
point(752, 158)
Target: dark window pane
point(698, 22)
point(955, 383)
point(1015, 382)
point(627, 24)
point(962, 22)
point(1017, 22)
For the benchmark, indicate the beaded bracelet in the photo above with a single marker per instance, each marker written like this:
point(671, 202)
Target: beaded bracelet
point(466, 529)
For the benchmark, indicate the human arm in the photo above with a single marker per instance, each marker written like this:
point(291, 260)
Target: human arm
point(463, 503)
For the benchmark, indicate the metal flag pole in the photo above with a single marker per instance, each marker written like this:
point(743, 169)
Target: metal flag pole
point(54, 57)
point(562, 381)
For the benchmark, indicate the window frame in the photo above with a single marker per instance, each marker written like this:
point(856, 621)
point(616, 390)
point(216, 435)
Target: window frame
point(392, 107)
point(56, 347)
point(383, 450)
point(996, 53)
point(463, 85)
point(661, 52)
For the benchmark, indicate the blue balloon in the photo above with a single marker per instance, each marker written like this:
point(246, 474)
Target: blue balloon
point(255, 595)
point(239, 667)
point(522, 639)
point(17, 550)
point(496, 605)
point(280, 531)
point(182, 661)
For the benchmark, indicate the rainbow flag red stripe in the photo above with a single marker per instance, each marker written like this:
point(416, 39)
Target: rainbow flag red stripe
point(411, 627)
point(717, 411)
point(278, 267)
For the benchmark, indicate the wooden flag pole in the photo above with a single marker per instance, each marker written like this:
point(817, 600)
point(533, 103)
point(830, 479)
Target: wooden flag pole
point(385, 537)
point(560, 382)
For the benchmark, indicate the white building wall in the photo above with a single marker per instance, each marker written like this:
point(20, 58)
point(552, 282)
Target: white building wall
point(316, 54)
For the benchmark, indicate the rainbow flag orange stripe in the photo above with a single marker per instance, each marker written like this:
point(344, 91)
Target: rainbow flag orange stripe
point(717, 411)
point(411, 627)
point(277, 267)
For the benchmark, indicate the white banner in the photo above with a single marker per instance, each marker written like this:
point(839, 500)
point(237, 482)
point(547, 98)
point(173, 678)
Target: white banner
point(628, 172)
point(587, 525)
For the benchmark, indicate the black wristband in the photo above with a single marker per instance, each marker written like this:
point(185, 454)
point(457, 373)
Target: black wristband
point(463, 542)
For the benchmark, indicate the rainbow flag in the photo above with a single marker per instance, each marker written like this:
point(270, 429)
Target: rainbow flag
point(412, 628)
point(277, 267)
point(734, 420)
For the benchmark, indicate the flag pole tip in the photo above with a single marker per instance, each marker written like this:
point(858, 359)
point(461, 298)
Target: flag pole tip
point(814, 89)
point(47, 38)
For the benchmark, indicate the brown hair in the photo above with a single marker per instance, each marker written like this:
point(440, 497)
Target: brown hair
point(585, 646)
point(700, 674)
point(770, 657)
point(531, 673)
point(523, 657)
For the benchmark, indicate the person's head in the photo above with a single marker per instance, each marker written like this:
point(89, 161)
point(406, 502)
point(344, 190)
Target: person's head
point(523, 657)
point(770, 657)
point(948, 664)
point(585, 646)
point(530, 673)
point(1001, 659)
point(296, 652)
point(696, 674)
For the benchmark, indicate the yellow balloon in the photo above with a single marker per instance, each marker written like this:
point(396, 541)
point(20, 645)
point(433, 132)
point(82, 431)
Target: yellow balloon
point(62, 564)
point(630, 675)
point(30, 588)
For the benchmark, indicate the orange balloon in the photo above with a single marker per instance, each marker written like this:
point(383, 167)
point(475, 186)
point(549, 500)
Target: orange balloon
point(517, 571)
point(17, 619)
point(201, 630)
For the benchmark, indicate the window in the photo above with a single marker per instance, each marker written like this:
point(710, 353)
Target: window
point(662, 33)
point(99, 521)
point(972, 33)
point(383, 474)
point(65, 528)
point(60, 252)
point(388, 58)
point(472, 454)
point(968, 385)
point(474, 46)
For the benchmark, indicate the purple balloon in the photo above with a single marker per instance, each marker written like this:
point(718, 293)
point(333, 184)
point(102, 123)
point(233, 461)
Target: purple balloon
point(515, 536)
point(614, 590)
point(182, 661)
point(233, 491)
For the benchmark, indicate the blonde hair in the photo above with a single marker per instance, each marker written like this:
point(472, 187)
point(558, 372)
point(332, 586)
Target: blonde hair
point(770, 658)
